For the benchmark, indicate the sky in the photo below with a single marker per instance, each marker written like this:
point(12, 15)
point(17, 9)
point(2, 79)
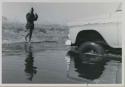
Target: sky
point(56, 13)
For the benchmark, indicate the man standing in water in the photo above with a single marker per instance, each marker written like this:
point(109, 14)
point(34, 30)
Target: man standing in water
point(30, 17)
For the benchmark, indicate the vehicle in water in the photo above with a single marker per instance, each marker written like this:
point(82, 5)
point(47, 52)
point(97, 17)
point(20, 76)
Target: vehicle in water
point(98, 35)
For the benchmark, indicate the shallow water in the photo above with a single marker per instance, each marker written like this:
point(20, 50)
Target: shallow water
point(46, 63)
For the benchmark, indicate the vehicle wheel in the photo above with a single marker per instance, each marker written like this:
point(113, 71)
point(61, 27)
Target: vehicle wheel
point(93, 50)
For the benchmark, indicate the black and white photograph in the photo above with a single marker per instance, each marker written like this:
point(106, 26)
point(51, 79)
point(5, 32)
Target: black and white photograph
point(62, 43)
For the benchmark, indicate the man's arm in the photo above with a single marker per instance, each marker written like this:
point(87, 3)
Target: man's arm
point(36, 17)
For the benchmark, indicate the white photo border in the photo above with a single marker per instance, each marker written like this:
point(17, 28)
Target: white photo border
point(65, 85)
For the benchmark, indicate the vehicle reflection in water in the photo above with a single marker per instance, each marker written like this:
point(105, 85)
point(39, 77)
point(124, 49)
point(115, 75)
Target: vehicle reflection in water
point(30, 69)
point(85, 70)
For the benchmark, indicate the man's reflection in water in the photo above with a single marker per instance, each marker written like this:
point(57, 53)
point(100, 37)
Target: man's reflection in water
point(30, 69)
point(89, 71)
